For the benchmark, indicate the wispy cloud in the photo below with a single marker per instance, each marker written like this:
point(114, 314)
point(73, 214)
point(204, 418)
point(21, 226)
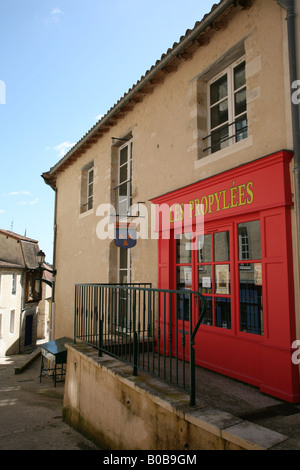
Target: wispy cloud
point(2, 211)
point(16, 193)
point(54, 16)
point(63, 148)
point(26, 203)
point(100, 116)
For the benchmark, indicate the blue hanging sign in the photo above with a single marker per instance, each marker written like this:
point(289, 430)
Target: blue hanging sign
point(125, 235)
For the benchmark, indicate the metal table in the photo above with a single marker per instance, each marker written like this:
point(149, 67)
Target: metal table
point(55, 353)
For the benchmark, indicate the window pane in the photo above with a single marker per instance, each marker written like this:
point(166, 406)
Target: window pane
point(219, 139)
point(251, 306)
point(240, 102)
point(249, 240)
point(204, 249)
point(90, 203)
point(205, 279)
point(222, 279)
point(208, 317)
point(123, 207)
point(183, 249)
point(123, 190)
point(218, 90)
point(241, 128)
point(123, 276)
point(221, 242)
point(90, 189)
point(123, 155)
point(219, 114)
point(123, 173)
point(91, 176)
point(239, 76)
point(223, 312)
point(123, 259)
point(184, 282)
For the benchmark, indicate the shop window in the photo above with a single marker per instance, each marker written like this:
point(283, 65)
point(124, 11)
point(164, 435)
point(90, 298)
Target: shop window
point(227, 108)
point(211, 267)
point(214, 278)
point(250, 278)
point(183, 273)
point(87, 187)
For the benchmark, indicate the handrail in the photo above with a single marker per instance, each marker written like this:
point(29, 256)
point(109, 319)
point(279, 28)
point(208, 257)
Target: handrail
point(133, 322)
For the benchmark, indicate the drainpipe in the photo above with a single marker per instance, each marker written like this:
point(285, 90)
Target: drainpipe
point(289, 6)
point(52, 318)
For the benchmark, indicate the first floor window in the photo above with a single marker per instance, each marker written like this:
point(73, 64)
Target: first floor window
point(12, 321)
point(227, 107)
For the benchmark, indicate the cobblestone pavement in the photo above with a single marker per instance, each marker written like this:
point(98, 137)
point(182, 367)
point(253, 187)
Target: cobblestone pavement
point(31, 412)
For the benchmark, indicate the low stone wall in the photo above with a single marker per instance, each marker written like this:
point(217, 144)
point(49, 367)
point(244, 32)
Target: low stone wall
point(118, 411)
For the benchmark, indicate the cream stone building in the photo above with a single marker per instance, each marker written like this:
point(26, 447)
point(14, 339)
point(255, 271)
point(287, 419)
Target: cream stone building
point(19, 296)
point(210, 126)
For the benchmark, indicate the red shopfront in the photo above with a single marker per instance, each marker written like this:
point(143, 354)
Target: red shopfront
point(243, 265)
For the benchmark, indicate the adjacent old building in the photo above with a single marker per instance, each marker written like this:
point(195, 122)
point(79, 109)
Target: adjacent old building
point(207, 135)
point(20, 293)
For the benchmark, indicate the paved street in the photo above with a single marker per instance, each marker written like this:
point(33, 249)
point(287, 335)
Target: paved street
point(31, 413)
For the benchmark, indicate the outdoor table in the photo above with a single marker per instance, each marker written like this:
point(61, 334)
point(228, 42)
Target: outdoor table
point(55, 352)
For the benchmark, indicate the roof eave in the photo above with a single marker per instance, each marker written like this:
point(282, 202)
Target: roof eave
point(206, 22)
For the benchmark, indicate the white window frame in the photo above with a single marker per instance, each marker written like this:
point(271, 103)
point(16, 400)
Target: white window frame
point(87, 188)
point(126, 200)
point(90, 189)
point(232, 138)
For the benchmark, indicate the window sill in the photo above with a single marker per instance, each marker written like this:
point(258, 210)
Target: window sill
point(215, 157)
point(86, 213)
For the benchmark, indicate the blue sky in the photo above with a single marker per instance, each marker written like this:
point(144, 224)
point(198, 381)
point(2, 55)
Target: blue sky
point(63, 64)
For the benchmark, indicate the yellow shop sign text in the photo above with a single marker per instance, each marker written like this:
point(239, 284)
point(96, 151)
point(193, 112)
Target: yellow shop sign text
point(235, 196)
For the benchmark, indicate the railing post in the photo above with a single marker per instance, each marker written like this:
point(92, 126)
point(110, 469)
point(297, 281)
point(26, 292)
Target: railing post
point(192, 356)
point(135, 341)
point(100, 318)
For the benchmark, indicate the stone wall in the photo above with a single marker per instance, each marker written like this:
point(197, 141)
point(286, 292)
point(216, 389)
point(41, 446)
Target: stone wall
point(106, 403)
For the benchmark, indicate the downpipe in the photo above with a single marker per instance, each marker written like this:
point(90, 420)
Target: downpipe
point(289, 6)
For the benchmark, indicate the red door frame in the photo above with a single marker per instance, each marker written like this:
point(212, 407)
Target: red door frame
point(258, 190)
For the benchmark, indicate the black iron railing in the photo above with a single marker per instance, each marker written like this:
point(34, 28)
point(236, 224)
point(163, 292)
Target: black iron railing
point(151, 329)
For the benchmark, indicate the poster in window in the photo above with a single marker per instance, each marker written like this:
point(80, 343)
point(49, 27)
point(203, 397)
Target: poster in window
point(222, 279)
point(257, 274)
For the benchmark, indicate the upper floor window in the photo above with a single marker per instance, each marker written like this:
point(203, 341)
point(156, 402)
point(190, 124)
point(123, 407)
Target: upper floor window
point(124, 180)
point(87, 187)
point(13, 283)
point(227, 107)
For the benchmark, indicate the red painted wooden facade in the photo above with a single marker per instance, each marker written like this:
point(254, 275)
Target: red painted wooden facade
point(244, 268)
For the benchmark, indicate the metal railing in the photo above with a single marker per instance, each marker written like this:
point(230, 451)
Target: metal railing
point(152, 329)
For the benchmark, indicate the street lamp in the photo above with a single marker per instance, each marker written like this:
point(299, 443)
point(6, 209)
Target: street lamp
point(40, 259)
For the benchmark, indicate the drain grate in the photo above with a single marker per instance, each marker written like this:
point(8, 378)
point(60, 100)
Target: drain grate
point(283, 409)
